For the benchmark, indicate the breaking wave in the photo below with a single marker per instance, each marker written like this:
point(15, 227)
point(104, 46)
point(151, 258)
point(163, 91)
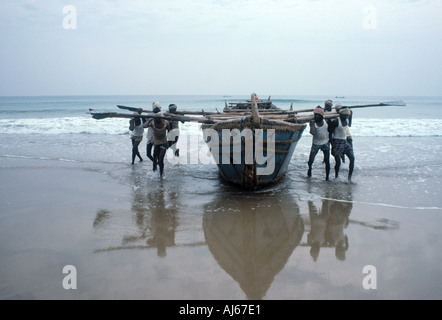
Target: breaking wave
point(117, 126)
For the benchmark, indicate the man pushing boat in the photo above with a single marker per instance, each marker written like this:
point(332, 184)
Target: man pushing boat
point(319, 131)
point(340, 147)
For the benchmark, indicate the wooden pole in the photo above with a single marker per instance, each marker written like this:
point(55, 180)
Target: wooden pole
point(103, 115)
point(255, 113)
point(217, 117)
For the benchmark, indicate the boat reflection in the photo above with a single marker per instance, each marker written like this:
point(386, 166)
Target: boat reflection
point(252, 238)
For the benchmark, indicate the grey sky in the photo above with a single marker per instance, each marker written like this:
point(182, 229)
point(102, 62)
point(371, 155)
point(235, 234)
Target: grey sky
point(278, 47)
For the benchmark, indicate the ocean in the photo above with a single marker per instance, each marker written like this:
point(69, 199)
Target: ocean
point(70, 197)
point(27, 115)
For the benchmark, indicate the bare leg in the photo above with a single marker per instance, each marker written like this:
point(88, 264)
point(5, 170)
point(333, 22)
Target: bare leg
point(327, 163)
point(156, 154)
point(135, 151)
point(351, 166)
point(173, 146)
point(310, 162)
point(161, 156)
point(149, 151)
point(337, 165)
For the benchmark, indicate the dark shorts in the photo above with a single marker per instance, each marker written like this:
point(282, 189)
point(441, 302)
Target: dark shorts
point(163, 146)
point(340, 147)
point(323, 147)
point(137, 138)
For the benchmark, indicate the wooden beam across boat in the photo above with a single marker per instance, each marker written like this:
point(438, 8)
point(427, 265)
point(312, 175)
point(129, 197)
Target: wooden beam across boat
point(289, 112)
point(105, 114)
point(399, 103)
point(178, 112)
point(232, 112)
point(291, 116)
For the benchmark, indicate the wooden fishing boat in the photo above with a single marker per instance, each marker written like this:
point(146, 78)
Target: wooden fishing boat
point(248, 104)
point(252, 151)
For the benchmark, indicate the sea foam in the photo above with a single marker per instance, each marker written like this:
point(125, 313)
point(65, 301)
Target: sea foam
point(118, 126)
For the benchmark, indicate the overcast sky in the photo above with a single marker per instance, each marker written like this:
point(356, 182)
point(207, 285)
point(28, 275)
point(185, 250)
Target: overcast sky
point(278, 47)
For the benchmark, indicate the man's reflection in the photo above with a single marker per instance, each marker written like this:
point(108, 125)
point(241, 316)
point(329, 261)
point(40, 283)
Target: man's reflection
point(163, 221)
point(318, 227)
point(328, 224)
point(337, 222)
point(155, 217)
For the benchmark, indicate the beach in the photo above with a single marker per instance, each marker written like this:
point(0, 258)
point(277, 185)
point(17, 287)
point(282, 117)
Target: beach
point(70, 200)
point(85, 214)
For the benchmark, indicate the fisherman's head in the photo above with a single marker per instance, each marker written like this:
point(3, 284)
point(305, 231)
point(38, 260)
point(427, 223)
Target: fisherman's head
point(318, 114)
point(158, 118)
point(156, 107)
point(344, 113)
point(338, 107)
point(172, 107)
point(328, 104)
point(137, 120)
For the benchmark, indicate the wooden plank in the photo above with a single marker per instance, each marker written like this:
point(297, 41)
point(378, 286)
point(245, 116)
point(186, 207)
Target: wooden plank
point(103, 115)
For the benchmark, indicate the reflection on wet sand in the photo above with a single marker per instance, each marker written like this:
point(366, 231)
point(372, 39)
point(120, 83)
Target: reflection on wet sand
point(330, 216)
point(252, 239)
point(327, 225)
point(250, 235)
point(156, 220)
point(101, 217)
point(158, 231)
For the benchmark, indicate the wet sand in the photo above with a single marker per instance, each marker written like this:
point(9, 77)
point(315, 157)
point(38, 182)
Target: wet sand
point(202, 239)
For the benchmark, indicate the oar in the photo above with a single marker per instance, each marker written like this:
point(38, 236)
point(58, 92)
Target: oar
point(308, 118)
point(104, 114)
point(132, 109)
point(383, 104)
point(331, 115)
point(197, 113)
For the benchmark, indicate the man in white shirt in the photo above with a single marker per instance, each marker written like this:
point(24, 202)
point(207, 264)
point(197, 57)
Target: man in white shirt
point(338, 129)
point(319, 130)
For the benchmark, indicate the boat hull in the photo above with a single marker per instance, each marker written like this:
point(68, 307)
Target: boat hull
point(260, 158)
